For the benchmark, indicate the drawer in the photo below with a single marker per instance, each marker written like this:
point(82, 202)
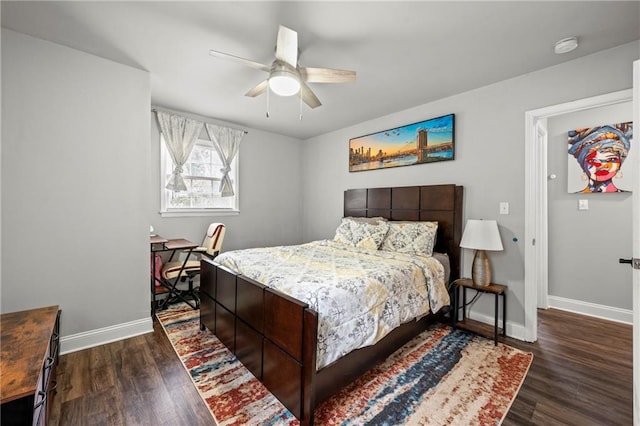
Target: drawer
point(207, 312)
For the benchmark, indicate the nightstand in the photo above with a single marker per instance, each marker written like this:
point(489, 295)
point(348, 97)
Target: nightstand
point(468, 324)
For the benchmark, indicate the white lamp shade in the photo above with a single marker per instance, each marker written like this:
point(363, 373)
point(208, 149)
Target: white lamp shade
point(481, 235)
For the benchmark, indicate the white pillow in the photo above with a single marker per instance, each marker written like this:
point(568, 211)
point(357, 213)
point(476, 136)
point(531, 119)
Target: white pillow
point(411, 237)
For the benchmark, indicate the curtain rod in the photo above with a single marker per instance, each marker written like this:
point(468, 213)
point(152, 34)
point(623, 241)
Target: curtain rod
point(173, 112)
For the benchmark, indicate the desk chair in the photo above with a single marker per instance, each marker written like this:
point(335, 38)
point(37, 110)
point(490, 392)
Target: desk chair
point(211, 246)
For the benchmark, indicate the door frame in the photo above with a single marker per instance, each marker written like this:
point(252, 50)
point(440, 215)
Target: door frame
point(636, 253)
point(536, 257)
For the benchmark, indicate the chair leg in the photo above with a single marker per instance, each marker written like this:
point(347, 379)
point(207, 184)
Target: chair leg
point(194, 291)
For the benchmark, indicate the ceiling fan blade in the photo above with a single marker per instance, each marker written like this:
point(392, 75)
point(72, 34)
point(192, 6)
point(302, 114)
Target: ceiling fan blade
point(287, 46)
point(327, 75)
point(258, 90)
point(308, 97)
point(243, 61)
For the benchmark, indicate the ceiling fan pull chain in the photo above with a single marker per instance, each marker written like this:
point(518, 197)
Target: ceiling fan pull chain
point(300, 107)
point(268, 102)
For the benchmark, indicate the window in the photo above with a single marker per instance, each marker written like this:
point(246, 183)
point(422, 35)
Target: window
point(202, 176)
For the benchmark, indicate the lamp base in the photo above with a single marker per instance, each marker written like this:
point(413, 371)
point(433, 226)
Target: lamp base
point(481, 269)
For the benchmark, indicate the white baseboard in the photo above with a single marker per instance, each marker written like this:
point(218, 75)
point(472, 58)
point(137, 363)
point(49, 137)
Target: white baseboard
point(101, 336)
point(592, 309)
point(585, 308)
point(513, 330)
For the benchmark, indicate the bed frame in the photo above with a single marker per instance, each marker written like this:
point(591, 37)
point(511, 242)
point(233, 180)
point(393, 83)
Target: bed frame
point(274, 335)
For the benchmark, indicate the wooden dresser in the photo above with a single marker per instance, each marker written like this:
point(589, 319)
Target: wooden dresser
point(30, 348)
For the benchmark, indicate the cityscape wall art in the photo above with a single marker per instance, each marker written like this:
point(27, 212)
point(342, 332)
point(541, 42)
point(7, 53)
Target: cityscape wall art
point(427, 141)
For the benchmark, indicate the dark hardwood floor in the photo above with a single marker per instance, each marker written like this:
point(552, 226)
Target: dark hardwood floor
point(138, 381)
point(581, 375)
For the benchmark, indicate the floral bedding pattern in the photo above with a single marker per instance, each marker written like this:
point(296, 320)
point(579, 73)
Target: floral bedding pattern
point(390, 288)
point(357, 233)
point(411, 237)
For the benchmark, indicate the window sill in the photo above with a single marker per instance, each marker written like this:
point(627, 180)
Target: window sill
point(199, 213)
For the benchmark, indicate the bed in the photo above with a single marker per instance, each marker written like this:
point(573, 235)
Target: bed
point(276, 336)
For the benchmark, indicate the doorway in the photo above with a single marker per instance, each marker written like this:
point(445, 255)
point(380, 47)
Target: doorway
point(588, 232)
point(536, 209)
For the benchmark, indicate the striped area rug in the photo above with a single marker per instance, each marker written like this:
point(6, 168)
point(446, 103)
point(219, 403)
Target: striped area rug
point(441, 377)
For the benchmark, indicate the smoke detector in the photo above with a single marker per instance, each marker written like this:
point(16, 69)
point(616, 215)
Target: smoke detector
point(565, 45)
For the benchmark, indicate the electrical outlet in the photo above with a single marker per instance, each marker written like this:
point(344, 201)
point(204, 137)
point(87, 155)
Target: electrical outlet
point(583, 204)
point(504, 207)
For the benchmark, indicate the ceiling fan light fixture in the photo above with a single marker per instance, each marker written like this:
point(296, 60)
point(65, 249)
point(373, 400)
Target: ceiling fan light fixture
point(284, 83)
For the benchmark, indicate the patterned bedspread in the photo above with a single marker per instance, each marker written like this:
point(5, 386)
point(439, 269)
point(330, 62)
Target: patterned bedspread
point(360, 294)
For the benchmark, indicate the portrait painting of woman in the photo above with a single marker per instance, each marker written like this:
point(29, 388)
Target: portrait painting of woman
point(600, 152)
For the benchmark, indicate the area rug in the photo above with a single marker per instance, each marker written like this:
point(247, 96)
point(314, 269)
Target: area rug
point(441, 377)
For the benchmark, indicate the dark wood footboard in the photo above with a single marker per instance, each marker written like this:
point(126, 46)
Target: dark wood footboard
point(275, 336)
point(272, 334)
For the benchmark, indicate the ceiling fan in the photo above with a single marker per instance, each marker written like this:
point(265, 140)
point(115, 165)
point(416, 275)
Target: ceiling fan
point(286, 77)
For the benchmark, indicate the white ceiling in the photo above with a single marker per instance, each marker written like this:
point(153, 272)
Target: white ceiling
point(405, 53)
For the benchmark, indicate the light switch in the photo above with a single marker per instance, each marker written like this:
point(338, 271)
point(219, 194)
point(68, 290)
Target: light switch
point(504, 207)
point(583, 204)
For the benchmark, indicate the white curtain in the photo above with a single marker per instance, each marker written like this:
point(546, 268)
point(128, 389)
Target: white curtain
point(226, 142)
point(180, 133)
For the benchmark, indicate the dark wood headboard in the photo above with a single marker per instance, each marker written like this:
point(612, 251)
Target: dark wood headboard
point(439, 203)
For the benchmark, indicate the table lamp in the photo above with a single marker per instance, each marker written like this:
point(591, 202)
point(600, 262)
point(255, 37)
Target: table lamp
point(481, 235)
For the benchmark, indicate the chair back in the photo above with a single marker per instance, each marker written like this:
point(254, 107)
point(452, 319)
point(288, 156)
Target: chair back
point(213, 239)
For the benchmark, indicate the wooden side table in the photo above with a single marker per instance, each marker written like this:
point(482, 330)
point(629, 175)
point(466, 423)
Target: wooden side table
point(468, 324)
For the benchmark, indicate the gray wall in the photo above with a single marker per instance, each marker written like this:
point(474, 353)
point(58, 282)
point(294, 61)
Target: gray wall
point(75, 184)
point(81, 184)
point(585, 245)
point(489, 156)
point(270, 194)
point(82, 242)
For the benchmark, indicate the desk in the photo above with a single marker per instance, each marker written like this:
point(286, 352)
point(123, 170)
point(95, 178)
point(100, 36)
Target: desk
point(161, 286)
point(468, 324)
